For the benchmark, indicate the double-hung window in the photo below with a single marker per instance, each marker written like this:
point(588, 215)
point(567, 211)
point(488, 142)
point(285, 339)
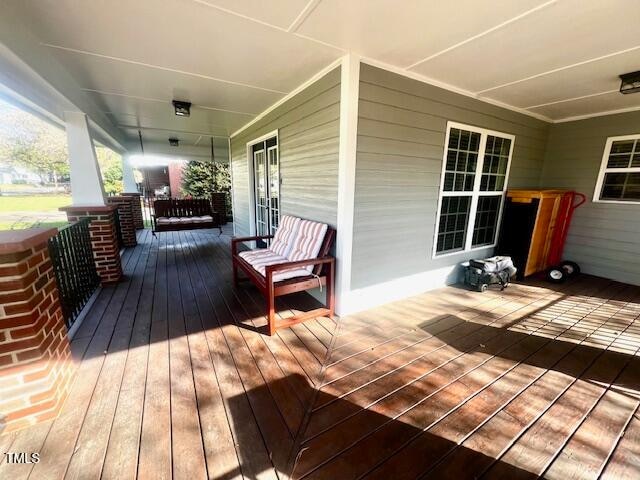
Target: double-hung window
point(619, 179)
point(474, 180)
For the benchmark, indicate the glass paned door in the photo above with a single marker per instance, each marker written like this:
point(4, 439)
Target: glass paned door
point(260, 182)
point(266, 172)
point(274, 189)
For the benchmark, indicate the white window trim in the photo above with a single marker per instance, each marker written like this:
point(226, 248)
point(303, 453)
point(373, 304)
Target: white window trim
point(475, 193)
point(252, 196)
point(604, 170)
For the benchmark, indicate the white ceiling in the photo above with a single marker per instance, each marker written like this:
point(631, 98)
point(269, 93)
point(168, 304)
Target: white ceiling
point(555, 59)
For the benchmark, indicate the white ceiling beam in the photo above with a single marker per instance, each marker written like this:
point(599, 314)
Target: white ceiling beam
point(482, 34)
point(239, 15)
point(560, 69)
point(160, 67)
point(200, 152)
point(581, 97)
point(270, 25)
point(598, 114)
point(169, 130)
point(159, 100)
point(139, 125)
point(303, 15)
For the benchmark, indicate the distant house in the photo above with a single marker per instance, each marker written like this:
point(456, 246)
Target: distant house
point(10, 175)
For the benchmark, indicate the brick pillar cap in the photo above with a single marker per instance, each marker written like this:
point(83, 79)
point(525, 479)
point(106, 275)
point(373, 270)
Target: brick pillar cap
point(88, 208)
point(119, 197)
point(14, 241)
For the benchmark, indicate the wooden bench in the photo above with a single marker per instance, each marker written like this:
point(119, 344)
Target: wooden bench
point(293, 262)
point(174, 214)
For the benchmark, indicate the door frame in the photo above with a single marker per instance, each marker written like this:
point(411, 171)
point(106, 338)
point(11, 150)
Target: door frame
point(251, 176)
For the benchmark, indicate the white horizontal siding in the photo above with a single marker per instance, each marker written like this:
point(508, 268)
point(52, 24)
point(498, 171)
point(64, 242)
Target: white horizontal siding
point(401, 133)
point(308, 128)
point(604, 238)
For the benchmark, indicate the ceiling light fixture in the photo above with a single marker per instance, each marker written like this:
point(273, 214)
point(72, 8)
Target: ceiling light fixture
point(630, 82)
point(173, 142)
point(182, 109)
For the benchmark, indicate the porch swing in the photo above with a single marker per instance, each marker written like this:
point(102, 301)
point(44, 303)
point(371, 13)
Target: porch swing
point(175, 214)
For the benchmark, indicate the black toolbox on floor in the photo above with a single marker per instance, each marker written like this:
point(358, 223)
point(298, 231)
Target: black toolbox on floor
point(479, 274)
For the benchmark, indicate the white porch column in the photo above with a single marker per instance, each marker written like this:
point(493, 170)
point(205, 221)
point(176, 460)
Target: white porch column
point(349, 92)
point(128, 180)
point(86, 182)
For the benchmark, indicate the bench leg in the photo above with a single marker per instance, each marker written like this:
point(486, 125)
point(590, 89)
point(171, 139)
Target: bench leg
point(331, 296)
point(271, 308)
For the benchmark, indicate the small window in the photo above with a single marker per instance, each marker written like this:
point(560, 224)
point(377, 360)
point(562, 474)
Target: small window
point(619, 179)
point(474, 179)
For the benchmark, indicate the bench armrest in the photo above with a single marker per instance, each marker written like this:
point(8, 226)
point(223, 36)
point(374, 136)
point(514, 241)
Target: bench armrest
point(236, 240)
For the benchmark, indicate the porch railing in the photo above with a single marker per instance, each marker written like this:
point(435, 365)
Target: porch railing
point(74, 268)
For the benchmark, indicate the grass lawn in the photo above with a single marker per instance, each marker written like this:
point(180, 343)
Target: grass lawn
point(13, 187)
point(33, 203)
point(20, 225)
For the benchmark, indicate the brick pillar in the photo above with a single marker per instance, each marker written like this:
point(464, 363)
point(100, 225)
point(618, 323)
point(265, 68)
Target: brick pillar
point(125, 216)
point(104, 238)
point(138, 220)
point(35, 358)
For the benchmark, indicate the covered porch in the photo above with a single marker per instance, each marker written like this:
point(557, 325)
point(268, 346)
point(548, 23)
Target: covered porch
point(176, 380)
point(384, 124)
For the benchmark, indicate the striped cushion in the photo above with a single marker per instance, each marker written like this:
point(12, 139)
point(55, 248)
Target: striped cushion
point(251, 255)
point(282, 242)
point(259, 259)
point(308, 241)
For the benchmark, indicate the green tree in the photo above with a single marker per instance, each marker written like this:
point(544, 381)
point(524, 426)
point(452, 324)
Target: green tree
point(112, 179)
point(110, 164)
point(200, 179)
point(31, 143)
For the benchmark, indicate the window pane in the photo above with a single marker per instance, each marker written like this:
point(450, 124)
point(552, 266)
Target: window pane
point(462, 160)
point(494, 167)
point(622, 146)
point(624, 154)
point(621, 186)
point(484, 229)
point(618, 161)
point(454, 215)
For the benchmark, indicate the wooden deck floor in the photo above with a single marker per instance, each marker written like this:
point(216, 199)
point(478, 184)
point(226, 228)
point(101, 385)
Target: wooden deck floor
point(176, 380)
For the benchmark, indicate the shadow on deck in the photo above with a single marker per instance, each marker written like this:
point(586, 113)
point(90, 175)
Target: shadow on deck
point(176, 381)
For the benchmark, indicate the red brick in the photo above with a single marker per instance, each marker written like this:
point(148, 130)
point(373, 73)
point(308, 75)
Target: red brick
point(14, 346)
point(30, 331)
point(45, 267)
point(14, 257)
point(5, 360)
point(16, 296)
point(35, 260)
point(25, 307)
point(12, 270)
point(18, 283)
point(28, 355)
